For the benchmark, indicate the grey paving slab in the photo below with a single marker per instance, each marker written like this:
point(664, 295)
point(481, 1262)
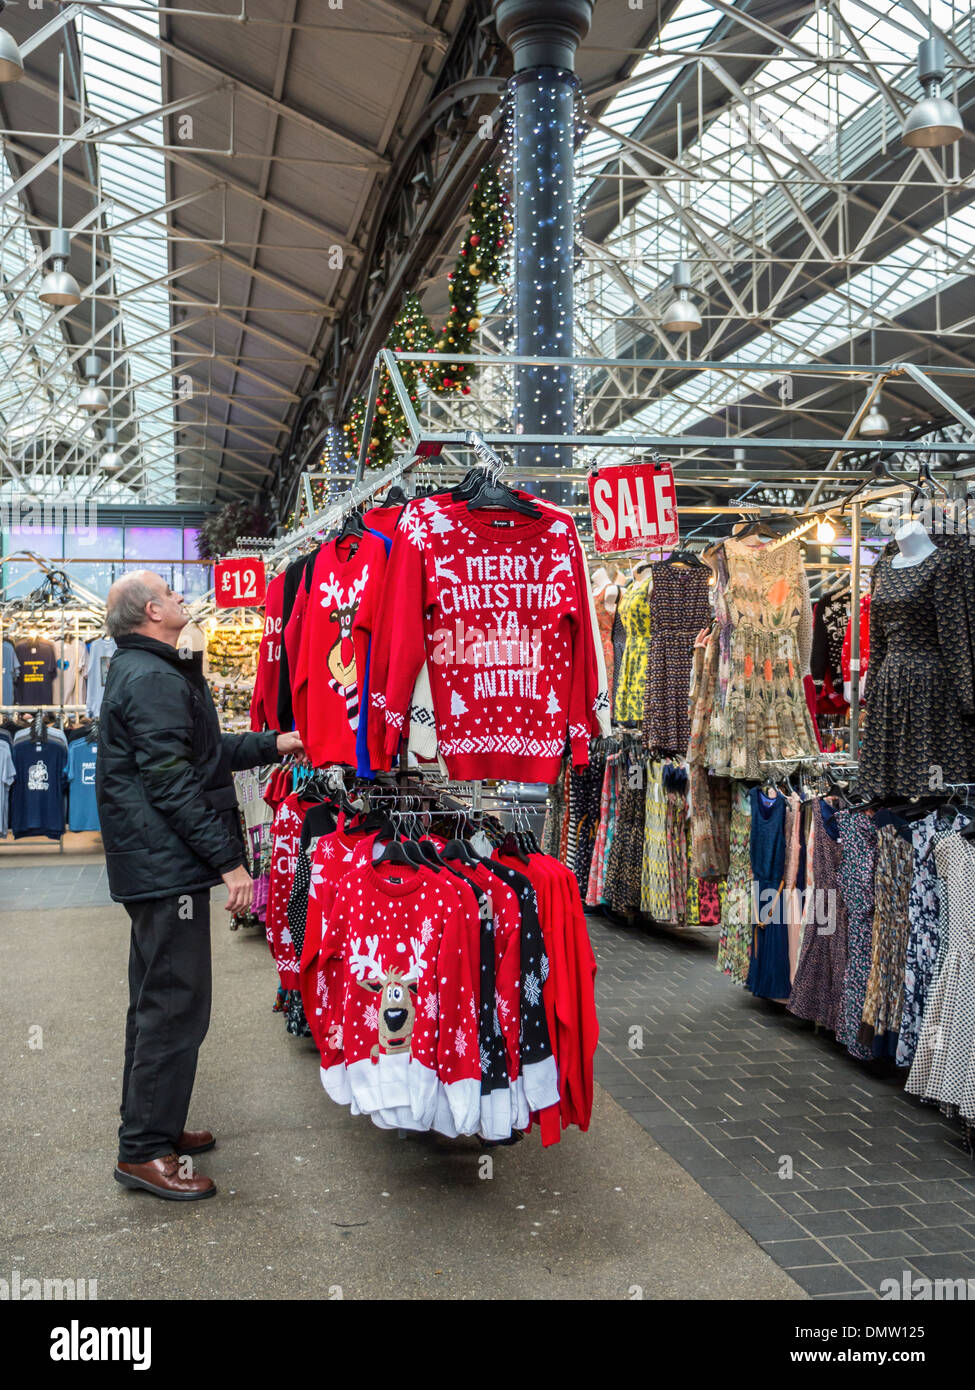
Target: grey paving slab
point(870, 1172)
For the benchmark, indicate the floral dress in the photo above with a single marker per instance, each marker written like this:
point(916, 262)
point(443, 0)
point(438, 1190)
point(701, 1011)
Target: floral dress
point(634, 611)
point(655, 883)
point(765, 716)
point(924, 944)
point(734, 942)
point(884, 1003)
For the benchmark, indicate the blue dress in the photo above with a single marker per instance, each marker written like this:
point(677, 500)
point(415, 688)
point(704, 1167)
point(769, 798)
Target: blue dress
point(768, 970)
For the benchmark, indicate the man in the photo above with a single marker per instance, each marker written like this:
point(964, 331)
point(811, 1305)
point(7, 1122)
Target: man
point(169, 821)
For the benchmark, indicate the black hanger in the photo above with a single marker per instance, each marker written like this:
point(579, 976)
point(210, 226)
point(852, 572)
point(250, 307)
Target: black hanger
point(684, 556)
point(353, 525)
point(395, 497)
point(510, 845)
point(879, 472)
point(492, 493)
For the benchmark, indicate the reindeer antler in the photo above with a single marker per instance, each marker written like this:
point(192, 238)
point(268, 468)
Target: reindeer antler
point(331, 591)
point(357, 587)
point(359, 963)
point(417, 963)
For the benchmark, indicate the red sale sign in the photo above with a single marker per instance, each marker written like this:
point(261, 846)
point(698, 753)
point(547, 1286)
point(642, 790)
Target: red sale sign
point(634, 507)
point(239, 583)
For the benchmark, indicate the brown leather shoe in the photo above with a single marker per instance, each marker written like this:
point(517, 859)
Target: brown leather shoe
point(161, 1177)
point(195, 1141)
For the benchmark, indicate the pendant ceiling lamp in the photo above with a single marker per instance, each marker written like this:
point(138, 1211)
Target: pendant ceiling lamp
point(59, 287)
point(874, 424)
point(682, 314)
point(11, 63)
point(111, 460)
point(93, 398)
point(935, 121)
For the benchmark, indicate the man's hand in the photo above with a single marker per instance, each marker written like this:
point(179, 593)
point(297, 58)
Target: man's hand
point(290, 743)
point(240, 887)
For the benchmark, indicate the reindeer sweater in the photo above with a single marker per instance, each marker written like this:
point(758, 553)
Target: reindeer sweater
point(264, 705)
point(494, 602)
point(406, 1015)
point(338, 616)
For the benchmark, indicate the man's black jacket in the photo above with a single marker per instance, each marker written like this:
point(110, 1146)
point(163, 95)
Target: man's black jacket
point(166, 800)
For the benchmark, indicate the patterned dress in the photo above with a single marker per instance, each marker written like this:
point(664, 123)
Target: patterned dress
point(818, 987)
point(884, 1003)
point(655, 883)
point(634, 611)
point(679, 609)
point(599, 848)
point(623, 873)
point(734, 942)
point(920, 688)
point(676, 832)
point(924, 945)
point(613, 763)
point(604, 620)
point(944, 1064)
point(858, 863)
point(765, 716)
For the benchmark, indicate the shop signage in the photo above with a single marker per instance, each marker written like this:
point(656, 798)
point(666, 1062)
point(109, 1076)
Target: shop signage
point(634, 507)
point(239, 583)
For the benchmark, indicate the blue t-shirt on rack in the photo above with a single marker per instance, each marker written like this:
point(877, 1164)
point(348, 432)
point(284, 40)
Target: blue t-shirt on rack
point(82, 806)
point(37, 796)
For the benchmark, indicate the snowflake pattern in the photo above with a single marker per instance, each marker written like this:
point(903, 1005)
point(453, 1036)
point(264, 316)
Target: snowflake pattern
point(544, 967)
point(426, 931)
point(430, 1006)
point(502, 1005)
point(371, 1017)
point(415, 528)
point(485, 1060)
point(532, 988)
point(460, 1042)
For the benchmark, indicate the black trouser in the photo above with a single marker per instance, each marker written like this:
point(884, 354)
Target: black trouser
point(168, 1017)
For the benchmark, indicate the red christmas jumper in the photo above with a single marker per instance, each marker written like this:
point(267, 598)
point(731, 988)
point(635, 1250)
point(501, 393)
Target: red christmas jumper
point(493, 600)
point(338, 617)
point(264, 704)
point(407, 1003)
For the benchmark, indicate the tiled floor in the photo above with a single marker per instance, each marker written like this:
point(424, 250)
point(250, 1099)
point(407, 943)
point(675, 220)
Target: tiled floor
point(839, 1175)
point(52, 886)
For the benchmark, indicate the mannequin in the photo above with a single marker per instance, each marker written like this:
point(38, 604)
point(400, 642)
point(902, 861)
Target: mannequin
point(914, 545)
point(612, 591)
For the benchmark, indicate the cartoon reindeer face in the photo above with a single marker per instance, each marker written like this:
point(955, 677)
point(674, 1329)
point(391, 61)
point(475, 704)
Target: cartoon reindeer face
point(346, 605)
point(396, 989)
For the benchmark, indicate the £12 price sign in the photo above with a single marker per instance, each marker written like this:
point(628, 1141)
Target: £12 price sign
point(634, 507)
point(239, 583)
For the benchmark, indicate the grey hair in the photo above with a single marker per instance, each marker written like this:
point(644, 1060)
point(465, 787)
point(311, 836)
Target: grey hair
point(128, 608)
